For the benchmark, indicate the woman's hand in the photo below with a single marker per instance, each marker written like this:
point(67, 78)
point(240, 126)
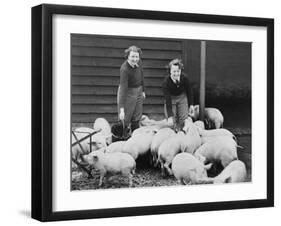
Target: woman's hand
point(122, 114)
point(170, 121)
point(191, 110)
point(143, 94)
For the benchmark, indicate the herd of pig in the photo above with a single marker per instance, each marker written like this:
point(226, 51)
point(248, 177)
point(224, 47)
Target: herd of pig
point(187, 154)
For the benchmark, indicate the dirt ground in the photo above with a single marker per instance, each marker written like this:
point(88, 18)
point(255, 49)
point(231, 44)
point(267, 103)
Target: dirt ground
point(146, 176)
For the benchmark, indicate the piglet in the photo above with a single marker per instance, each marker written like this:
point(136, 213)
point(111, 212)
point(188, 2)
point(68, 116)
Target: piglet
point(139, 144)
point(213, 117)
point(226, 139)
point(192, 140)
point(115, 146)
point(217, 151)
point(215, 132)
point(158, 139)
point(85, 130)
point(105, 129)
point(235, 172)
point(113, 163)
point(168, 150)
point(189, 170)
point(199, 124)
point(145, 129)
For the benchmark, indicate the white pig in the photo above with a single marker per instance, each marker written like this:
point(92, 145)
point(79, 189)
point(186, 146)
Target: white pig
point(189, 170)
point(227, 139)
point(138, 144)
point(145, 121)
point(217, 151)
point(113, 163)
point(85, 130)
point(145, 129)
point(213, 116)
point(215, 132)
point(199, 124)
point(235, 172)
point(192, 140)
point(103, 125)
point(115, 146)
point(158, 139)
point(168, 150)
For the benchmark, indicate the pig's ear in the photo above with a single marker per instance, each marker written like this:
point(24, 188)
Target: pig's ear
point(227, 180)
point(207, 167)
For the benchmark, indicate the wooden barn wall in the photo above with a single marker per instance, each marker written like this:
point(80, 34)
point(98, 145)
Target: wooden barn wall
point(228, 78)
point(95, 74)
point(96, 61)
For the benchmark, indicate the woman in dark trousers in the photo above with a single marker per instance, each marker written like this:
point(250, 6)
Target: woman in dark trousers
point(131, 89)
point(178, 95)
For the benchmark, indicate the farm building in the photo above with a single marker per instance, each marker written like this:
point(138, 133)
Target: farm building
point(96, 60)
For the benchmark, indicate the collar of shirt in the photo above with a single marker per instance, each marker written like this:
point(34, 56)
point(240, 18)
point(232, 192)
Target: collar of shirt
point(133, 66)
point(175, 81)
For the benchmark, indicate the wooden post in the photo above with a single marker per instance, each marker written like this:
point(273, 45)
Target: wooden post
point(202, 80)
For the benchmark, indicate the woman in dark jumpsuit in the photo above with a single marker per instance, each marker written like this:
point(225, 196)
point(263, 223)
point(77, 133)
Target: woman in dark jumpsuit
point(131, 93)
point(178, 95)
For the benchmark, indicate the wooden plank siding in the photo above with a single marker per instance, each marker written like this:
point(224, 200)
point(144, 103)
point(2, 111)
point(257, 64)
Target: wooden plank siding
point(95, 76)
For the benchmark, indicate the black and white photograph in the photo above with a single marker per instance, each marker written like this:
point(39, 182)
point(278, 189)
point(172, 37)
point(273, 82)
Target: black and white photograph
point(151, 112)
point(139, 112)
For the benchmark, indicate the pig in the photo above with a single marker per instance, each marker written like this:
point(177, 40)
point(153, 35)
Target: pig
point(158, 139)
point(217, 151)
point(145, 121)
point(235, 172)
point(116, 162)
point(213, 117)
point(85, 130)
point(187, 123)
point(103, 125)
point(115, 146)
point(189, 170)
point(144, 118)
point(199, 124)
point(144, 129)
point(168, 150)
point(195, 114)
point(139, 144)
point(215, 132)
point(227, 139)
point(192, 140)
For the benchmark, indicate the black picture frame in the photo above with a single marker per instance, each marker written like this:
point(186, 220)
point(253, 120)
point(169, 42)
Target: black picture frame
point(42, 107)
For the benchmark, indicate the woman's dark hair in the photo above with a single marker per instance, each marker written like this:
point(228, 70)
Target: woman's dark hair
point(132, 49)
point(176, 62)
